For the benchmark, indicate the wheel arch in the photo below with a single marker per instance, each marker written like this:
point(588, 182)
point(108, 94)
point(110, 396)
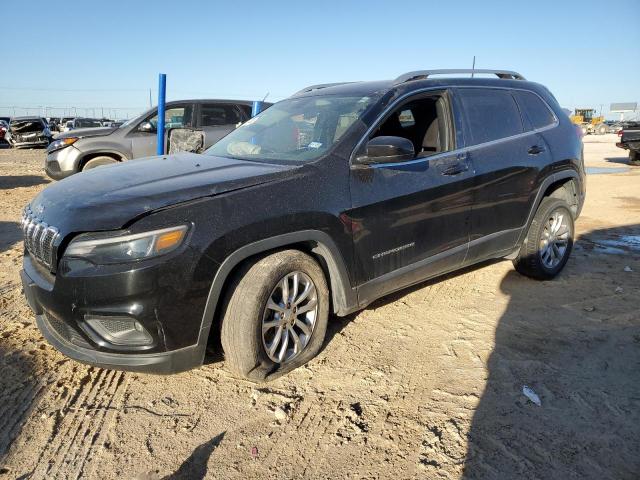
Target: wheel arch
point(100, 153)
point(315, 243)
point(565, 188)
point(564, 184)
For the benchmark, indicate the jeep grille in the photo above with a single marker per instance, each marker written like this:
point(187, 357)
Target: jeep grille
point(38, 238)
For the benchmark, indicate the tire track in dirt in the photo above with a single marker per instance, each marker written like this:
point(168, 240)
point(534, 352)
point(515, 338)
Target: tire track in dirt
point(15, 408)
point(81, 426)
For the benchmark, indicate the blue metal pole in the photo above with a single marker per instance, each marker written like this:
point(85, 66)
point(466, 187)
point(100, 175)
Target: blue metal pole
point(256, 108)
point(162, 91)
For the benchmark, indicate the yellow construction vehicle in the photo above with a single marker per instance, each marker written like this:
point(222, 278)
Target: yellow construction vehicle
point(583, 117)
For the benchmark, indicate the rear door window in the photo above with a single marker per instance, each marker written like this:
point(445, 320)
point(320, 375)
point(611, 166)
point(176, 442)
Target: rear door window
point(213, 115)
point(489, 115)
point(534, 109)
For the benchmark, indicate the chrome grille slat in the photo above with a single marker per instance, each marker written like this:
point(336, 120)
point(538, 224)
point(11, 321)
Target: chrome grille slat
point(37, 230)
point(39, 238)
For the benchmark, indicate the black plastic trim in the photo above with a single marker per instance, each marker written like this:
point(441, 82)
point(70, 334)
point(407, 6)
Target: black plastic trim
point(546, 183)
point(164, 363)
point(343, 295)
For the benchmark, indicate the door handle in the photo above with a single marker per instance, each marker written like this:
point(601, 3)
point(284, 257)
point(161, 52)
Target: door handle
point(459, 165)
point(535, 150)
point(455, 169)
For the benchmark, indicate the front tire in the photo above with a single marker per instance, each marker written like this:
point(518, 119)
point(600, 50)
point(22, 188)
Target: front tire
point(99, 162)
point(275, 316)
point(549, 241)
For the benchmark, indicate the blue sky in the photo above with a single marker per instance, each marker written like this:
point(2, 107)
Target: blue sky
point(93, 54)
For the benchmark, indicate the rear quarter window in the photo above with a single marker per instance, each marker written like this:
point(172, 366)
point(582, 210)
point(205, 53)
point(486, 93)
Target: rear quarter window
point(534, 109)
point(489, 115)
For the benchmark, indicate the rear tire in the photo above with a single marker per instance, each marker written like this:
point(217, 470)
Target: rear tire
point(99, 162)
point(634, 158)
point(257, 307)
point(602, 129)
point(549, 241)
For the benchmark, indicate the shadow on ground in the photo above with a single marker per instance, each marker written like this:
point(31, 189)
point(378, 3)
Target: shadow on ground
point(583, 362)
point(10, 234)
point(195, 467)
point(19, 390)
point(621, 160)
point(7, 182)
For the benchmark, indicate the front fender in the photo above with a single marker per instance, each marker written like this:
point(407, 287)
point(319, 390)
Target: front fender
point(343, 295)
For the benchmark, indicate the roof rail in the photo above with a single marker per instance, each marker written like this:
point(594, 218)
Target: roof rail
point(422, 74)
point(319, 86)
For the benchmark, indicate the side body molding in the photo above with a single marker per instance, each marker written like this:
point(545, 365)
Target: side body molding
point(343, 295)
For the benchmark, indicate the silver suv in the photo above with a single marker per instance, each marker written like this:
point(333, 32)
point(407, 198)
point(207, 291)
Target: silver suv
point(88, 148)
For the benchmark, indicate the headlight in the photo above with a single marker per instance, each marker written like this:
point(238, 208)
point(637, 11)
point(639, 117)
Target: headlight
point(102, 249)
point(62, 143)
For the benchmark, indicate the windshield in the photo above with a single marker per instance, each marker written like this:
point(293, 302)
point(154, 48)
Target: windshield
point(294, 130)
point(128, 122)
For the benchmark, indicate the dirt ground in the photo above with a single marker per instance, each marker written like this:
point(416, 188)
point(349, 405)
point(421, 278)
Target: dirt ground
point(426, 383)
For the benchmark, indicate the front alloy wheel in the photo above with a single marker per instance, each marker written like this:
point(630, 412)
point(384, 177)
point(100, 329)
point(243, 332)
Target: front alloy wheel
point(289, 317)
point(275, 314)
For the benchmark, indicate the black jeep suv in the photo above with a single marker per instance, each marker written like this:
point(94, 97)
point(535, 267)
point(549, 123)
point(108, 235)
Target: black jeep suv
point(326, 201)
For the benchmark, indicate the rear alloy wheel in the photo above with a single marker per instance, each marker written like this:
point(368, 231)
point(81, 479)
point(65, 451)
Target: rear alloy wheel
point(274, 316)
point(99, 162)
point(555, 239)
point(548, 244)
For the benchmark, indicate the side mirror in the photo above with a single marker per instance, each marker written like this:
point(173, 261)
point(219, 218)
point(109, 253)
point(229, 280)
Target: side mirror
point(146, 127)
point(388, 150)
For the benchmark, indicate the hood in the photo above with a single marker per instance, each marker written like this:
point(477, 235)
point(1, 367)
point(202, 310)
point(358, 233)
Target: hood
point(109, 197)
point(87, 132)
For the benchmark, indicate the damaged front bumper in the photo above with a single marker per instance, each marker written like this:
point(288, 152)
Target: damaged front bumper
point(44, 142)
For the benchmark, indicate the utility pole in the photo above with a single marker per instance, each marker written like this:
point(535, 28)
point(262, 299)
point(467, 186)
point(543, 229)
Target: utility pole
point(473, 66)
point(150, 101)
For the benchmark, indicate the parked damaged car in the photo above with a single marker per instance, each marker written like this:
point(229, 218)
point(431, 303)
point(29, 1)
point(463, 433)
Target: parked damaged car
point(4, 126)
point(28, 132)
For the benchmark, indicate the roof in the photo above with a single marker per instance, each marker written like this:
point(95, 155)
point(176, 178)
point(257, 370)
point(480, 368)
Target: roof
point(417, 80)
point(212, 100)
point(381, 87)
